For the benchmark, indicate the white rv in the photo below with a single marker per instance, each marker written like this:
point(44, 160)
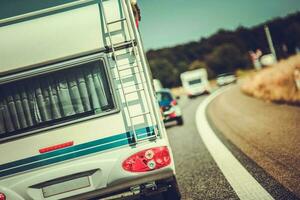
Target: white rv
point(78, 115)
point(195, 82)
point(157, 85)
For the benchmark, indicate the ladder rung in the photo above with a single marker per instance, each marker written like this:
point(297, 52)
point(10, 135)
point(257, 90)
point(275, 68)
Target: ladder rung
point(130, 85)
point(126, 68)
point(122, 65)
point(124, 54)
point(146, 138)
point(116, 21)
point(124, 77)
point(125, 43)
point(134, 91)
point(116, 32)
point(120, 46)
point(145, 113)
point(128, 76)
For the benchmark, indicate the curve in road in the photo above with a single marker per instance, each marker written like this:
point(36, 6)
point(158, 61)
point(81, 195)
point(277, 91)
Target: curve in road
point(245, 186)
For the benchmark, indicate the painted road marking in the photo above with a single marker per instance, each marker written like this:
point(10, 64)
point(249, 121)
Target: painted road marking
point(245, 186)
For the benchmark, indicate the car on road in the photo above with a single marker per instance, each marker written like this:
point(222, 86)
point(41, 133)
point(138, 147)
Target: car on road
point(225, 79)
point(169, 106)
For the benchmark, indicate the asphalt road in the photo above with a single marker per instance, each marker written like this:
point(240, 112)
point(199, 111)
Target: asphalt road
point(197, 173)
point(268, 133)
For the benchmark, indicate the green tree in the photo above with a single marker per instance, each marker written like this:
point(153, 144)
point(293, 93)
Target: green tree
point(226, 58)
point(163, 70)
point(201, 64)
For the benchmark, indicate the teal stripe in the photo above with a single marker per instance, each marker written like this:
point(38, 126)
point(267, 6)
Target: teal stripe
point(63, 151)
point(63, 158)
point(73, 152)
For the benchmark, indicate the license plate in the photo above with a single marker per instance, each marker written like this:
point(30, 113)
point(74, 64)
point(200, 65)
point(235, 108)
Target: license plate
point(66, 186)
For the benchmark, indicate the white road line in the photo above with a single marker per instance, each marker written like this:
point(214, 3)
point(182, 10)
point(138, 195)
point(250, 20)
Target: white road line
point(245, 186)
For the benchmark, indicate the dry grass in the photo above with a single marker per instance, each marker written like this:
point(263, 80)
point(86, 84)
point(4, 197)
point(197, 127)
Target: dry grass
point(245, 73)
point(275, 83)
point(179, 91)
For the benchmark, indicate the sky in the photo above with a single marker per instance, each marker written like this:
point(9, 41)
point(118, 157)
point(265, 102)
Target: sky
point(166, 23)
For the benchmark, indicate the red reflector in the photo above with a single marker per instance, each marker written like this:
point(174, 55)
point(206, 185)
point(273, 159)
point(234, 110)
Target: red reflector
point(2, 196)
point(55, 147)
point(174, 103)
point(148, 160)
point(172, 115)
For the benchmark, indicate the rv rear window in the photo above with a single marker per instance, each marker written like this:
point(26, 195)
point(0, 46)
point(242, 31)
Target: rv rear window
point(54, 98)
point(196, 81)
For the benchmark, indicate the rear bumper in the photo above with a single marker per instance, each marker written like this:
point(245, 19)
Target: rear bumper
point(134, 189)
point(171, 119)
point(172, 115)
point(190, 95)
point(198, 92)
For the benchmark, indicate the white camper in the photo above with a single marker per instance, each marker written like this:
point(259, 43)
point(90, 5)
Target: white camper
point(195, 82)
point(78, 115)
point(157, 85)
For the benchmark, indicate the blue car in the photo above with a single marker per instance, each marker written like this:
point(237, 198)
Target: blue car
point(169, 106)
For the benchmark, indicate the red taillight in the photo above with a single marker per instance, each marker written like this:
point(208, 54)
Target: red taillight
point(2, 196)
point(174, 103)
point(148, 160)
point(172, 115)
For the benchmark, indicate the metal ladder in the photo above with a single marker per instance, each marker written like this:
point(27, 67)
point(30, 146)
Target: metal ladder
point(113, 46)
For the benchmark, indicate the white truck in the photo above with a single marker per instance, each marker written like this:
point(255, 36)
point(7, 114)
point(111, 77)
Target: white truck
point(157, 85)
point(78, 114)
point(195, 82)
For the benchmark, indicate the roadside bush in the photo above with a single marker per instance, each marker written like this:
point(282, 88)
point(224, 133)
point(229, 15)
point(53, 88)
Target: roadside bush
point(276, 83)
point(226, 58)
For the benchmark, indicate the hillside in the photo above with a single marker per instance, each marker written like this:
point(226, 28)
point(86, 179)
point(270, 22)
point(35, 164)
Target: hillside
point(225, 50)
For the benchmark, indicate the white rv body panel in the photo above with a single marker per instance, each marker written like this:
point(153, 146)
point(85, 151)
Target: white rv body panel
point(47, 39)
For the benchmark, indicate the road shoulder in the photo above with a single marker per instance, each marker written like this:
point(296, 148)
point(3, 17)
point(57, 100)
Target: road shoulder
point(246, 124)
point(245, 186)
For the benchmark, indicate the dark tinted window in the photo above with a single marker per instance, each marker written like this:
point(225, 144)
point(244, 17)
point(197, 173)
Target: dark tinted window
point(164, 96)
point(196, 81)
point(54, 98)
